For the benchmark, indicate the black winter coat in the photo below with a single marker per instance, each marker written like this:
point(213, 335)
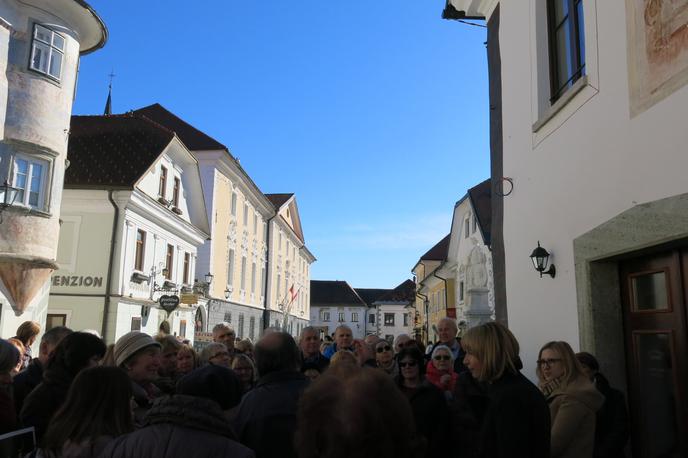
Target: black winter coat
point(266, 418)
point(467, 408)
point(25, 382)
point(611, 431)
point(180, 427)
point(516, 422)
point(431, 415)
point(42, 403)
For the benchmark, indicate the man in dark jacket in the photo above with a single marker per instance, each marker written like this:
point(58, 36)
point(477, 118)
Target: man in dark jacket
point(309, 341)
point(266, 418)
point(25, 382)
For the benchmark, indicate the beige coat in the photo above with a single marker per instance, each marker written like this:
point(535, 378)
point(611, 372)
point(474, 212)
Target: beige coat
point(572, 409)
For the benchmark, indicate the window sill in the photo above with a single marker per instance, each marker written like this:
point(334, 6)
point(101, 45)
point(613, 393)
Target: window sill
point(561, 103)
point(28, 210)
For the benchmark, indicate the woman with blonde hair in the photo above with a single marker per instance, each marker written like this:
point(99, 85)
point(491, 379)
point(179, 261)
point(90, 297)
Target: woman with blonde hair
point(26, 334)
point(244, 368)
point(573, 400)
point(516, 419)
point(187, 360)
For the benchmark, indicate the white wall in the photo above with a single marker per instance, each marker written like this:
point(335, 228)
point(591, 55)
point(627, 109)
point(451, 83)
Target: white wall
point(357, 327)
point(589, 163)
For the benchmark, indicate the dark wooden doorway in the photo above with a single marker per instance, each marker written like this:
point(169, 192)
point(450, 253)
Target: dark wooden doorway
point(654, 292)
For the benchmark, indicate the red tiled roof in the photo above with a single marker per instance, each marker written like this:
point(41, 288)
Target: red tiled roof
point(438, 252)
point(278, 199)
point(334, 292)
point(193, 138)
point(112, 151)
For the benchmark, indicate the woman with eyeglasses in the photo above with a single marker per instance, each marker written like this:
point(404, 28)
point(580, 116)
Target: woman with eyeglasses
point(384, 356)
point(428, 404)
point(573, 400)
point(440, 370)
point(244, 368)
point(515, 422)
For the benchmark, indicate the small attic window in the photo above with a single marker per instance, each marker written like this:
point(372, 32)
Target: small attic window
point(288, 214)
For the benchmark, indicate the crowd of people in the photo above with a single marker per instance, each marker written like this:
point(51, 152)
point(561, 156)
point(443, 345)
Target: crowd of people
point(326, 397)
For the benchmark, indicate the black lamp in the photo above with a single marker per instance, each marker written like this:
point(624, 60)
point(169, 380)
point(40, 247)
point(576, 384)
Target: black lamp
point(540, 258)
point(227, 293)
point(209, 278)
point(7, 196)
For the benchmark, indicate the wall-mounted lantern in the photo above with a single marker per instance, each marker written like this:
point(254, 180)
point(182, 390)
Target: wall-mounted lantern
point(540, 258)
point(227, 293)
point(209, 278)
point(8, 194)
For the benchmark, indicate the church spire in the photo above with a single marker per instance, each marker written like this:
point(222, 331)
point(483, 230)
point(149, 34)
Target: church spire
point(108, 102)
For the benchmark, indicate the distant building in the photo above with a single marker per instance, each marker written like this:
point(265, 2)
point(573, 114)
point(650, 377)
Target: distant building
point(394, 312)
point(289, 267)
point(40, 43)
point(369, 295)
point(335, 303)
point(434, 292)
point(133, 218)
point(469, 260)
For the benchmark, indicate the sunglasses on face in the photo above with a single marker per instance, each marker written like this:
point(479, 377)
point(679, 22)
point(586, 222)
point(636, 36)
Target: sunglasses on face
point(384, 348)
point(442, 358)
point(408, 363)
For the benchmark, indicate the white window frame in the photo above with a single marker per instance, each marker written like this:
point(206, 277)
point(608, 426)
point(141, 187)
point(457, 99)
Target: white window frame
point(388, 322)
point(233, 207)
point(354, 317)
point(45, 168)
point(342, 317)
point(50, 47)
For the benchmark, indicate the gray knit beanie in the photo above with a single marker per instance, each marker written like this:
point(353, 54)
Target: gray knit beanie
point(131, 343)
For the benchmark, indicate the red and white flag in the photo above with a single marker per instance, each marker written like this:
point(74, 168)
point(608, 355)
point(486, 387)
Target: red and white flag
point(293, 293)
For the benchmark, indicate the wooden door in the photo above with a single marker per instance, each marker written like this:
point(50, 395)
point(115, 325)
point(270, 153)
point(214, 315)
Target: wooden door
point(654, 291)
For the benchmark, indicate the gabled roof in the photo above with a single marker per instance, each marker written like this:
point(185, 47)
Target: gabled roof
point(439, 251)
point(278, 199)
point(334, 292)
point(481, 200)
point(405, 292)
point(112, 151)
point(370, 295)
point(193, 138)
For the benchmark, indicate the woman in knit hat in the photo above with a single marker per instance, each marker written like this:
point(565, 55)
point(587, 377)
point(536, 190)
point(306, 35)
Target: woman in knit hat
point(139, 355)
point(73, 354)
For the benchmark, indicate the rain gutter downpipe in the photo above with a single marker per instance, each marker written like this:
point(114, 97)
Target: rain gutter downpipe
point(266, 312)
point(446, 294)
point(111, 261)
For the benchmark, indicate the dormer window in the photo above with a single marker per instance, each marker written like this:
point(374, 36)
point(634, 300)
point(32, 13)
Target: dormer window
point(47, 52)
point(175, 192)
point(162, 187)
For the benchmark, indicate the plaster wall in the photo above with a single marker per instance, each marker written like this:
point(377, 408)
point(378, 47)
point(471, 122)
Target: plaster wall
point(586, 164)
point(358, 328)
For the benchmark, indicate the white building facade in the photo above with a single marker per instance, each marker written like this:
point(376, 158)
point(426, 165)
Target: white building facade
point(131, 235)
point(41, 43)
point(335, 303)
point(592, 141)
point(469, 260)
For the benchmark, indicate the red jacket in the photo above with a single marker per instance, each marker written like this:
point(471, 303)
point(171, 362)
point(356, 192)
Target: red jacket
point(434, 375)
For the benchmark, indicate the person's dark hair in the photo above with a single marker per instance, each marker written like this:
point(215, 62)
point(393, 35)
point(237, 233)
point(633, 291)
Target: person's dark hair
point(74, 352)
point(589, 360)
point(9, 356)
point(53, 336)
point(97, 404)
point(372, 420)
point(411, 352)
point(275, 352)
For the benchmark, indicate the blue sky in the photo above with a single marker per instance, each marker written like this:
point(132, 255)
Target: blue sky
point(375, 113)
